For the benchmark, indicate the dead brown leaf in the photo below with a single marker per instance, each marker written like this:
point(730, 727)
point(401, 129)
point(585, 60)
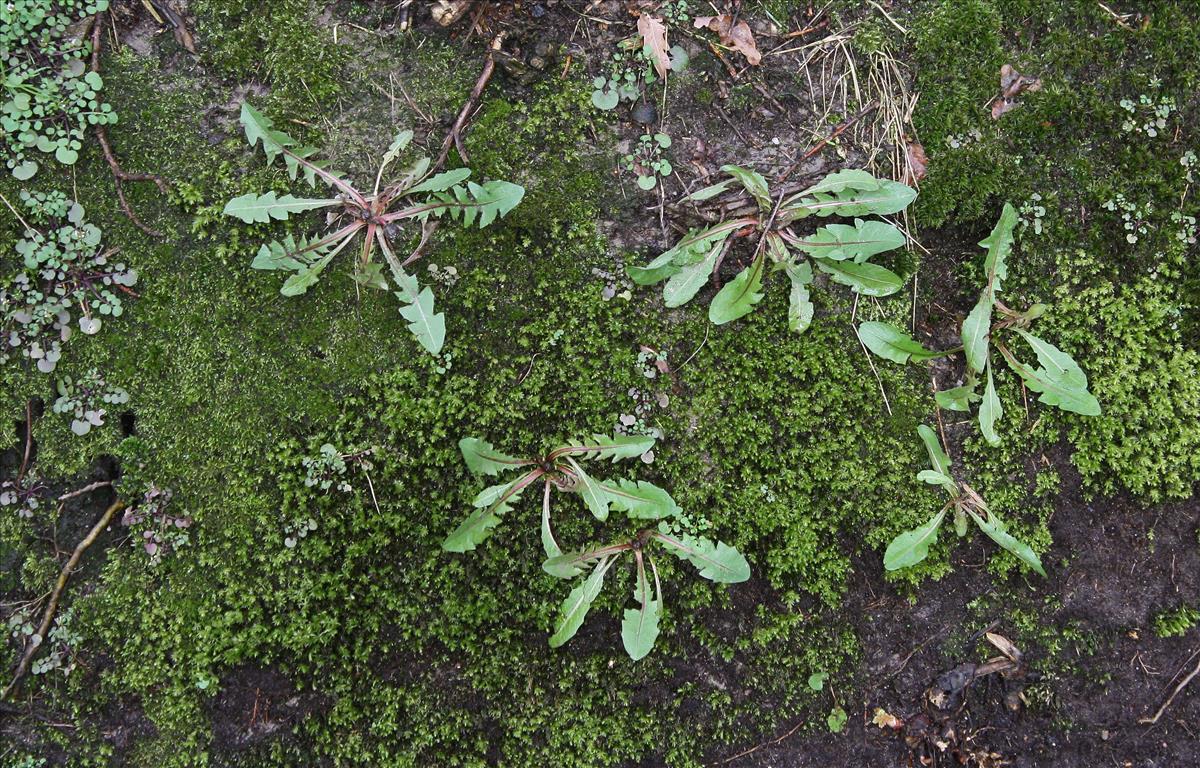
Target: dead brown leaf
point(654, 37)
point(736, 36)
point(1012, 85)
point(885, 719)
point(918, 162)
point(1004, 645)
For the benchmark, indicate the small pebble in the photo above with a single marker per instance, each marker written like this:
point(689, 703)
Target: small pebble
point(644, 112)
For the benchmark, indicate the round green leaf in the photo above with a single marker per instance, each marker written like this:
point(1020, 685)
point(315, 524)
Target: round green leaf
point(605, 100)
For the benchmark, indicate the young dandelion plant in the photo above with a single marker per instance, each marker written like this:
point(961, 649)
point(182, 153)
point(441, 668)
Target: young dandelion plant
point(642, 502)
point(911, 547)
point(842, 251)
point(380, 216)
point(718, 562)
point(1058, 379)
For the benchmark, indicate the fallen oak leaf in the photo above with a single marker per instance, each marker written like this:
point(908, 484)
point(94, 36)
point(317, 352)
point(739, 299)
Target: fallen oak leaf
point(654, 38)
point(736, 36)
point(1012, 85)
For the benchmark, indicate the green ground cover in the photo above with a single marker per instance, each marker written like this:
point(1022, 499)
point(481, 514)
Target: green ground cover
point(782, 442)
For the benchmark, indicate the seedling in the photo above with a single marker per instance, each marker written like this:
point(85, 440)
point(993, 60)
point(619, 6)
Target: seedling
point(25, 493)
point(381, 215)
point(629, 70)
point(48, 98)
point(66, 282)
point(561, 469)
point(911, 547)
point(647, 160)
point(840, 250)
point(86, 400)
point(154, 522)
point(1058, 380)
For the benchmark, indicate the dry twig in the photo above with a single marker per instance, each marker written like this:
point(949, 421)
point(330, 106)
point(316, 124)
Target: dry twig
point(454, 138)
point(1182, 684)
point(52, 607)
point(119, 174)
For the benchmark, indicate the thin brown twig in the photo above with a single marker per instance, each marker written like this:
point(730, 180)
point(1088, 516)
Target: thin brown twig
point(59, 586)
point(831, 137)
point(120, 174)
point(1182, 684)
point(454, 137)
point(754, 749)
point(85, 489)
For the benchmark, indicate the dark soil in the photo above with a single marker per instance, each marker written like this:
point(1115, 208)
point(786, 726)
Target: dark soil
point(1125, 564)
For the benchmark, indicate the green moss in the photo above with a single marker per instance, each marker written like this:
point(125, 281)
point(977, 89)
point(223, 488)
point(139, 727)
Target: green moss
point(276, 40)
point(783, 442)
point(1175, 622)
point(957, 52)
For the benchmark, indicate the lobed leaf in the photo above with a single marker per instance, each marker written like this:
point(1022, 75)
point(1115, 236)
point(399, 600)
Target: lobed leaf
point(616, 447)
point(571, 564)
point(994, 529)
point(753, 182)
point(716, 562)
point(999, 244)
point(441, 181)
point(850, 178)
point(306, 277)
point(639, 628)
point(640, 500)
point(288, 254)
point(259, 129)
point(1059, 380)
point(592, 491)
point(851, 199)
point(398, 145)
point(687, 281)
point(800, 306)
point(695, 246)
point(483, 459)
point(259, 209)
point(479, 524)
point(860, 241)
point(428, 327)
point(483, 202)
point(891, 343)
